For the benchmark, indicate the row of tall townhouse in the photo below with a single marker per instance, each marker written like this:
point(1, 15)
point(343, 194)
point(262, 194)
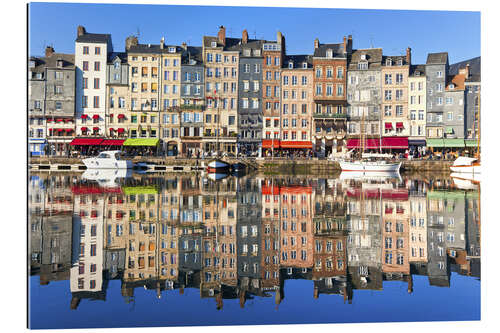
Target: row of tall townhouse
point(247, 95)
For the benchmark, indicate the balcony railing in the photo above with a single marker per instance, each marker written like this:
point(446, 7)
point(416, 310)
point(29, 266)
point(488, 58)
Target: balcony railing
point(330, 115)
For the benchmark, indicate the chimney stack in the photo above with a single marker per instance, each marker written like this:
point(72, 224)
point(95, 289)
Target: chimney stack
point(162, 43)
point(130, 41)
point(345, 44)
point(316, 43)
point(80, 31)
point(221, 36)
point(408, 55)
point(49, 50)
point(184, 46)
point(349, 43)
point(467, 71)
point(244, 37)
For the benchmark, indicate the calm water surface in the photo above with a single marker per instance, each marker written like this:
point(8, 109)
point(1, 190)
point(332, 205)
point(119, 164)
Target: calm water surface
point(128, 250)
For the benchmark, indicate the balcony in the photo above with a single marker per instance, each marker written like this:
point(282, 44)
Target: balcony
point(329, 116)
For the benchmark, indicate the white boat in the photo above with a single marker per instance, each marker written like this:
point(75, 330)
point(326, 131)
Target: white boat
point(217, 176)
point(218, 166)
point(370, 166)
point(110, 159)
point(466, 165)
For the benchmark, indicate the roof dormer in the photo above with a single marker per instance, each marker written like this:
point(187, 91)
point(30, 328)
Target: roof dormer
point(329, 53)
point(304, 64)
point(388, 62)
point(290, 64)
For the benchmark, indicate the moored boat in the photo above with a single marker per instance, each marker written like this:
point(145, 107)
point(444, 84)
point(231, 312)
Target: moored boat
point(218, 166)
point(370, 166)
point(466, 165)
point(107, 160)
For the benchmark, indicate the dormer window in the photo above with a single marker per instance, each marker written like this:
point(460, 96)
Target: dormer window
point(363, 65)
point(290, 64)
point(363, 57)
point(400, 62)
point(117, 64)
point(214, 44)
point(246, 52)
point(59, 63)
point(32, 64)
point(329, 53)
point(388, 62)
point(171, 49)
point(452, 86)
point(256, 53)
point(304, 65)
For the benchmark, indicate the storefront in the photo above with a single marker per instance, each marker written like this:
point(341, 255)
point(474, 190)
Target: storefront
point(37, 146)
point(297, 148)
point(449, 146)
point(86, 146)
point(387, 144)
point(270, 147)
point(141, 146)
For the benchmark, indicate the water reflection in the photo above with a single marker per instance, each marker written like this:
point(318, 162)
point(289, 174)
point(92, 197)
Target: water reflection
point(241, 238)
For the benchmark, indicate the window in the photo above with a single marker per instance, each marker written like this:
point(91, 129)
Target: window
point(449, 100)
point(96, 101)
point(388, 95)
point(388, 78)
point(96, 83)
point(85, 66)
point(85, 50)
point(97, 66)
point(97, 50)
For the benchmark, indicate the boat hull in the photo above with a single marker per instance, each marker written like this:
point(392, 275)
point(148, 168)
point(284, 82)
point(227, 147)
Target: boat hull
point(360, 166)
point(218, 166)
point(94, 163)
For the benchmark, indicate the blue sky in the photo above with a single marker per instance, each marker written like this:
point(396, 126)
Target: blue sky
point(458, 33)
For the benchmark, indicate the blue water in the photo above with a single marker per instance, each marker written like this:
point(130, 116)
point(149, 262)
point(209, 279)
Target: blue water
point(51, 306)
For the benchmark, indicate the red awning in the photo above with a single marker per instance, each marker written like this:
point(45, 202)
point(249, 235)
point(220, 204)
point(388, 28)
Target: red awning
point(84, 129)
point(51, 129)
point(96, 116)
point(96, 128)
point(399, 194)
point(121, 116)
point(296, 144)
point(395, 142)
point(60, 129)
point(269, 143)
point(59, 120)
point(111, 129)
point(399, 125)
point(84, 116)
point(67, 120)
point(388, 125)
point(110, 142)
point(369, 143)
point(69, 130)
point(49, 120)
point(85, 142)
point(121, 130)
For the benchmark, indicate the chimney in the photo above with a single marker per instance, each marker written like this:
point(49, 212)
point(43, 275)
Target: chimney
point(221, 36)
point(184, 46)
point(349, 43)
point(316, 43)
point(244, 37)
point(345, 44)
point(278, 37)
point(130, 41)
point(467, 71)
point(49, 50)
point(162, 43)
point(408, 55)
point(80, 31)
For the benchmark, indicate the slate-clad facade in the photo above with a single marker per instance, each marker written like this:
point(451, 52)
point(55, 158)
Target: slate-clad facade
point(436, 69)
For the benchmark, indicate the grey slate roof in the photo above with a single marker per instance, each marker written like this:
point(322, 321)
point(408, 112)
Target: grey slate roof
point(474, 68)
point(93, 38)
point(152, 48)
point(237, 45)
point(417, 70)
point(338, 50)
point(121, 55)
point(51, 62)
point(394, 59)
point(373, 56)
point(298, 60)
point(193, 52)
point(437, 58)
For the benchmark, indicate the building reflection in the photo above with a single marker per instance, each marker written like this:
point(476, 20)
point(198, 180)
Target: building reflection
point(241, 238)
